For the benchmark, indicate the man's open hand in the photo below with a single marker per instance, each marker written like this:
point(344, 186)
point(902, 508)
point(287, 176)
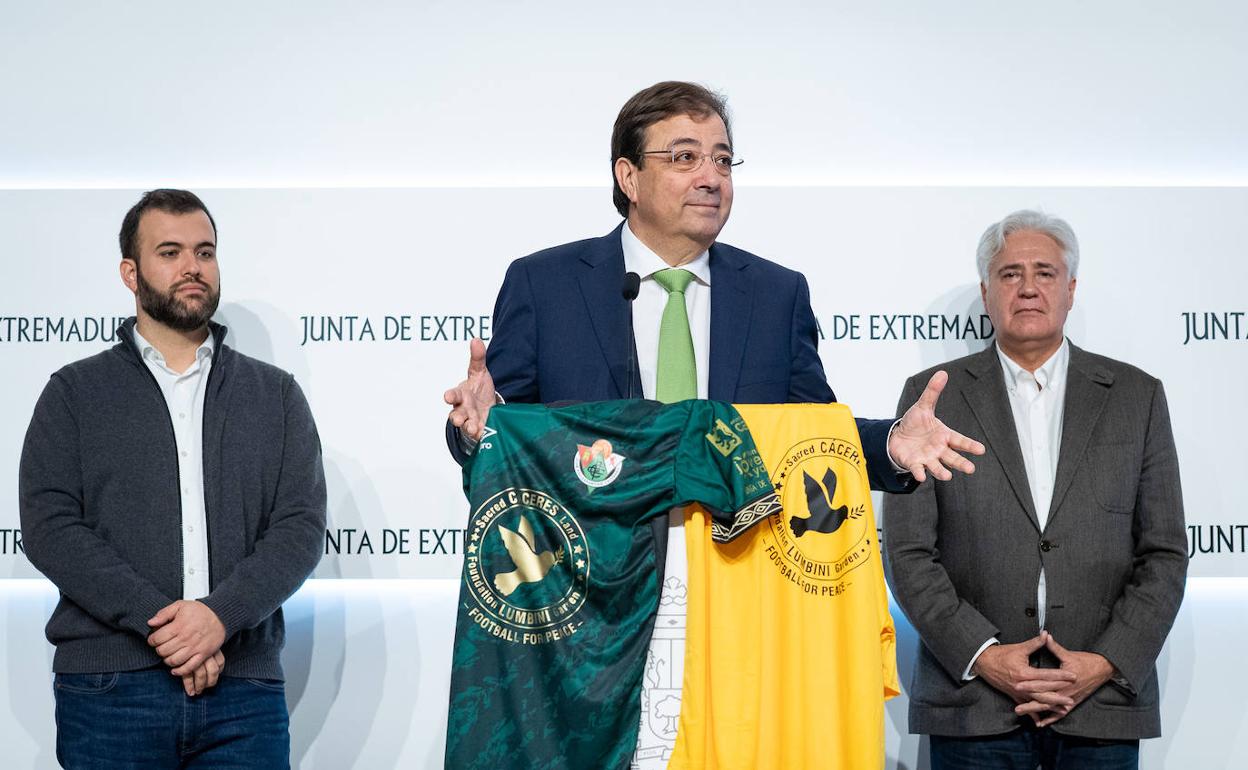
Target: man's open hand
point(921, 443)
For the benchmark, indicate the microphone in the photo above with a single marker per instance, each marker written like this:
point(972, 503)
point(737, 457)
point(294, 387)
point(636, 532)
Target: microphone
point(632, 287)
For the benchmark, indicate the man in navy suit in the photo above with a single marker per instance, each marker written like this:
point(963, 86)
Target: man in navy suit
point(562, 323)
point(565, 331)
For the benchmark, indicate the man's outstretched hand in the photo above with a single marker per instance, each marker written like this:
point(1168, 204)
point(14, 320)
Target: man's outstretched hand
point(921, 443)
point(471, 399)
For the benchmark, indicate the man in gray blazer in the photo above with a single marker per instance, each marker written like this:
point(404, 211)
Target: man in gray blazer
point(1044, 585)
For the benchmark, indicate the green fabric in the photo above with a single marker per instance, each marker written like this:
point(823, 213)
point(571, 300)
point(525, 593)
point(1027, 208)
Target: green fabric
point(559, 589)
point(678, 371)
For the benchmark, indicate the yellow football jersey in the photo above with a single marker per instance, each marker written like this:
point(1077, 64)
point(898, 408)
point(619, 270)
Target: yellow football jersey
point(790, 648)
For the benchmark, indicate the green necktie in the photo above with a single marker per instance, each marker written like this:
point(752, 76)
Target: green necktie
point(677, 377)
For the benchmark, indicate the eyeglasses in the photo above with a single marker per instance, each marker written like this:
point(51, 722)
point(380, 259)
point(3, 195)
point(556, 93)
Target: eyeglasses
point(686, 161)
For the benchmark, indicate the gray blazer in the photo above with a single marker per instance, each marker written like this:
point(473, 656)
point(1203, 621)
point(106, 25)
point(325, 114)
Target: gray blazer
point(964, 556)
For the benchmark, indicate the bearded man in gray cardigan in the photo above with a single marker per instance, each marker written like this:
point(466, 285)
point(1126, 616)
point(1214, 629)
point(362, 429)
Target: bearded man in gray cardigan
point(1044, 585)
point(172, 489)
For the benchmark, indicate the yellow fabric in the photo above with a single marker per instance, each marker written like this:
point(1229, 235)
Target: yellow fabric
point(789, 659)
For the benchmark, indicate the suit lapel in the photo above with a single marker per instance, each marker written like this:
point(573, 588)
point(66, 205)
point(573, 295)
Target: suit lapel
point(1087, 390)
point(601, 277)
point(986, 397)
point(731, 304)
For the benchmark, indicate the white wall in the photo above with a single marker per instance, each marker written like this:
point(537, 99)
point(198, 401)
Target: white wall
point(521, 96)
point(240, 94)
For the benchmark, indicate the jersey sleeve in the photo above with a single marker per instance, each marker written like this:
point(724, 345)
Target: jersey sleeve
point(718, 465)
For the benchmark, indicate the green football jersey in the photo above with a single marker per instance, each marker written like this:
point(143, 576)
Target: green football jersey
point(560, 587)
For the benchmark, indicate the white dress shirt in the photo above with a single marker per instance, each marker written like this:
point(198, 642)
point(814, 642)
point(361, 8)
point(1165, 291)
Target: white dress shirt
point(648, 310)
point(1037, 402)
point(184, 396)
point(666, 665)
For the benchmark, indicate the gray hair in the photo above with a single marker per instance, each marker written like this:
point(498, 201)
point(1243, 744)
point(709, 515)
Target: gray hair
point(993, 240)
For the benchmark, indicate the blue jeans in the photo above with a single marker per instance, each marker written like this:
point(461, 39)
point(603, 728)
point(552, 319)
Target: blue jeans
point(1029, 747)
point(143, 719)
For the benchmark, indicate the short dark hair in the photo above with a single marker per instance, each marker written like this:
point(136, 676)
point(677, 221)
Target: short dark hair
point(647, 107)
point(169, 201)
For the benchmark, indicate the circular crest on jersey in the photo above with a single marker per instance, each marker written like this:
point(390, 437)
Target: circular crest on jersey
point(822, 527)
point(597, 465)
point(526, 567)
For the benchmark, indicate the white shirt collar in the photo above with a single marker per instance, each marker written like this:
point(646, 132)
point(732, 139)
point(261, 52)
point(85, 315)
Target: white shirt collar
point(640, 259)
point(150, 353)
point(1049, 374)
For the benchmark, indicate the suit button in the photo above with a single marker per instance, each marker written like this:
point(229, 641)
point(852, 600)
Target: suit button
point(1030, 612)
point(1046, 546)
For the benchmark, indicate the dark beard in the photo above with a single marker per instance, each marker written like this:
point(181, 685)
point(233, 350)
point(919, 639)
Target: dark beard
point(167, 309)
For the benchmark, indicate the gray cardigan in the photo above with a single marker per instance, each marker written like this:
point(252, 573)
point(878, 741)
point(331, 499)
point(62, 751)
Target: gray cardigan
point(101, 510)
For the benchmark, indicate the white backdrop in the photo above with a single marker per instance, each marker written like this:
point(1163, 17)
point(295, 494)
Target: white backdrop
point(490, 121)
point(364, 296)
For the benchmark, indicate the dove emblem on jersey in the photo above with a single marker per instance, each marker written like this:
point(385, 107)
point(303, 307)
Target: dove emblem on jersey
point(823, 518)
point(530, 566)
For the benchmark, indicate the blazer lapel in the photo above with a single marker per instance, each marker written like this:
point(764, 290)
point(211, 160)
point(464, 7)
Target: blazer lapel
point(601, 278)
point(986, 397)
point(1087, 390)
point(731, 303)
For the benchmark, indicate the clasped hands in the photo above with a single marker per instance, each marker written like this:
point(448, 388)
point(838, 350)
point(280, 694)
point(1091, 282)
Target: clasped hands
point(188, 636)
point(920, 442)
point(1044, 694)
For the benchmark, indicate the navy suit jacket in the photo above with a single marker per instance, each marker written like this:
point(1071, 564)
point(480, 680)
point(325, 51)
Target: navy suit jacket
point(562, 333)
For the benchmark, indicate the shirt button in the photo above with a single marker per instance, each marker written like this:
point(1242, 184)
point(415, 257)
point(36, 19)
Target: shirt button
point(181, 415)
point(190, 529)
point(191, 571)
point(184, 454)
